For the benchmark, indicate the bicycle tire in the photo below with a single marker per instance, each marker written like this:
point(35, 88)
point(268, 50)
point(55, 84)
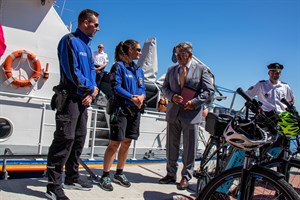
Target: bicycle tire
point(276, 186)
point(293, 166)
point(214, 160)
point(209, 163)
point(200, 174)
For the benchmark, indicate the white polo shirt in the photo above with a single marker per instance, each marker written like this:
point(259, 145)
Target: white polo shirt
point(100, 58)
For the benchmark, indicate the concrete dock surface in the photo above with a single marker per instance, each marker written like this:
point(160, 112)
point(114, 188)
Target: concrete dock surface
point(144, 185)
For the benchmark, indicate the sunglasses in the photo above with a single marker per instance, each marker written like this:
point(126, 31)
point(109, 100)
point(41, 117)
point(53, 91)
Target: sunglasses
point(138, 49)
point(100, 47)
point(96, 25)
point(181, 53)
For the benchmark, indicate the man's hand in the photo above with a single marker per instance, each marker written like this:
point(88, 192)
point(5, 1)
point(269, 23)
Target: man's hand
point(96, 91)
point(189, 106)
point(177, 99)
point(87, 100)
point(138, 100)
point(98, 70)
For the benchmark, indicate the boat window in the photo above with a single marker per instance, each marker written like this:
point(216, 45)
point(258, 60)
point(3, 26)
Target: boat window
point(6, 129)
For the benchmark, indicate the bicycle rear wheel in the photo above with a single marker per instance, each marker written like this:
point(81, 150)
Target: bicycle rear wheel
point(263, 183)
point(293, 167)
point(211, 162)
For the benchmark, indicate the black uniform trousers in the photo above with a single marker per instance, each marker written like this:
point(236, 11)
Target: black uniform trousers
point(68, 142)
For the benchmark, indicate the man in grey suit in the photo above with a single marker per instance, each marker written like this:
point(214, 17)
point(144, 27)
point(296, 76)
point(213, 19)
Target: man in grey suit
point(185, 117)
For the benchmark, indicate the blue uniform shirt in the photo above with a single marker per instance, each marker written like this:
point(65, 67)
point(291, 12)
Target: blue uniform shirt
point(127, 80)
point(76, 64)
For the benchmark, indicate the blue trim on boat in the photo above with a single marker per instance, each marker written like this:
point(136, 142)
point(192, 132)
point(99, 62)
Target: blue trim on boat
point(41, 162)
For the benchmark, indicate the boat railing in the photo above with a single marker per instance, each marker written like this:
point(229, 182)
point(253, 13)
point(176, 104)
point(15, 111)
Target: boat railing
point(45, 105)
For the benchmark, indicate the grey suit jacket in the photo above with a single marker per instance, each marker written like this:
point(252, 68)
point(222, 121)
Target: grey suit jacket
point(196, 78)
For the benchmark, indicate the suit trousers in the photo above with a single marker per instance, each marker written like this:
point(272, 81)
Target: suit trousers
point(189, 134)
point(68, 142)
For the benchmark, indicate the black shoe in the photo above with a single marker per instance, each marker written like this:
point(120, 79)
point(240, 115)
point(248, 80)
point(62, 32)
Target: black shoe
point(55, 193)
point(183, 184)
point(122, 180)
point(167, 179)
point(78, 184)
point(105, 183)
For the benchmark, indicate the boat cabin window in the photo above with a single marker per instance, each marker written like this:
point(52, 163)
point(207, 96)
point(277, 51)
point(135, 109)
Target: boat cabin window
point(6, 129)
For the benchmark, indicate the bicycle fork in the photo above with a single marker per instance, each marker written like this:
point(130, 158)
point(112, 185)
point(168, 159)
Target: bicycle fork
point(246, 183)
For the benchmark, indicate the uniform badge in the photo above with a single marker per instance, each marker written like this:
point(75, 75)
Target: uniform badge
point(140, 81)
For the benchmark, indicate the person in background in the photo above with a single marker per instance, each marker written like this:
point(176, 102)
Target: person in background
point(270, 92)
point(2, 41)
point(100, 60)
point(127, 81)
point(184, 118)
point(77, 79)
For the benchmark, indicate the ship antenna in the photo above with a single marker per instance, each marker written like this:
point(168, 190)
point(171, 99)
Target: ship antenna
point(63, 7)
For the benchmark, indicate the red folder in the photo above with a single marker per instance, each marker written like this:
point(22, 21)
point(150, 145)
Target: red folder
point(187, 94)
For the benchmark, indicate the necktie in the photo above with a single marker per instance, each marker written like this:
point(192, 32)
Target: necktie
point(182, 76)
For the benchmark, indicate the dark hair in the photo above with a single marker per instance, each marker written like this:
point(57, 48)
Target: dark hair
point(187, 46)
point(86, 14)
point(122, 49)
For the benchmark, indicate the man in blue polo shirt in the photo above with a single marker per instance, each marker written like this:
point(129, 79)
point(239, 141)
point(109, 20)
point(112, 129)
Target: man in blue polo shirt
point(77, 80)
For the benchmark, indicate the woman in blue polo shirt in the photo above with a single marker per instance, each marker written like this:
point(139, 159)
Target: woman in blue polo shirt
point(127, 81)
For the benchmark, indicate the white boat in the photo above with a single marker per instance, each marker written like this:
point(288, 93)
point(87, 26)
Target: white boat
point(27, 122)
point(37, 30)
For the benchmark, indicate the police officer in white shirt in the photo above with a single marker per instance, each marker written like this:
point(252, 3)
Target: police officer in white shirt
point(270, 92)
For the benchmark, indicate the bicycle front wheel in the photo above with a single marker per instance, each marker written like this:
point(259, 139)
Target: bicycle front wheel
point(263, 184)
point(293, 170)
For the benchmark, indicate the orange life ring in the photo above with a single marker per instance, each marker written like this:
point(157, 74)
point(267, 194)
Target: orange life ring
point(8, 66)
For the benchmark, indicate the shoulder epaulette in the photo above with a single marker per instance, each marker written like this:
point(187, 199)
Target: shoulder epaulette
point(283, 82)
point(262, 81)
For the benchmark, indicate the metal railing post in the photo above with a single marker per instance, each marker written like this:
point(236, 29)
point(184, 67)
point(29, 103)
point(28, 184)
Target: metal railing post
point(231, 105)
point(94, 135)
point(134, 150)
point(41, 129)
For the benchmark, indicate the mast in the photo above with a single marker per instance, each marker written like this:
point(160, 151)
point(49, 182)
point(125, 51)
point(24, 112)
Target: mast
point(62, 8)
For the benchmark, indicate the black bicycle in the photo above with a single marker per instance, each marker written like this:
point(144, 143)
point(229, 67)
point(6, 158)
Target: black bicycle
point(217, 150)
point(250, 181)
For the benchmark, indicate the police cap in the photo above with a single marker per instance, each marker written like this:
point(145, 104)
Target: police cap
point(275, 67)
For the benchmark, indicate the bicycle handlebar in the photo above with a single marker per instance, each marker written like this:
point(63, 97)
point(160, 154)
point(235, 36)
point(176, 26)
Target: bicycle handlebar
point(290, 107)
point(284, 101)
point(260, 116)
point(254, 105)
point(241, 92)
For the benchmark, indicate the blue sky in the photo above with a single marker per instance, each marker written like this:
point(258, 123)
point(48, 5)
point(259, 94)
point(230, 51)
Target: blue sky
point(237, 39)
